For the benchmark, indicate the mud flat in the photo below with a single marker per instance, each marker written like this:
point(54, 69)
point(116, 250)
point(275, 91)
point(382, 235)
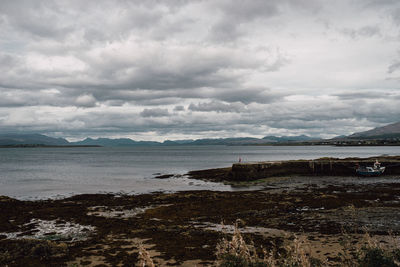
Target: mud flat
point(184, 228)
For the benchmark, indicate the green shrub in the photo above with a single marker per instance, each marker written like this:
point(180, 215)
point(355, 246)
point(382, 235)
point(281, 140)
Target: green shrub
point(376, 257)
point(230, 260)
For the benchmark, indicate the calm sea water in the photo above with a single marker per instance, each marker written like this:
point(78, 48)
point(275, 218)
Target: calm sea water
point(31, 173)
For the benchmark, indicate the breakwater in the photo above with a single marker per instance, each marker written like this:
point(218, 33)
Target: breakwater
point(323, 166)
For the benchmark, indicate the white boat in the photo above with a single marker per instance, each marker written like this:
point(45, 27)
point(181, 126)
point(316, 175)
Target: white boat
point(376, 170)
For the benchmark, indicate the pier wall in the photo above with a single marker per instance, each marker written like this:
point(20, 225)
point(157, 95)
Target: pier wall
point(329, 166)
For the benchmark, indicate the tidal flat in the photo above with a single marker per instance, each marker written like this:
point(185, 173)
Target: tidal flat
point(184, 228)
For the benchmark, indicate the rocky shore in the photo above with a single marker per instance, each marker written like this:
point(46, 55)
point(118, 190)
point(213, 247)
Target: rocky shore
point(184, 228)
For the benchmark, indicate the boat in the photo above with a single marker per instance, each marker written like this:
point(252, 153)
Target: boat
point(376, 170)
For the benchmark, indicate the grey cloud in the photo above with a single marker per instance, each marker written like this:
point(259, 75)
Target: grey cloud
point(248, 95)
point(316, 117)
point(7, 61)
point(192, 67)
point(392, 8)
point(369, 94)
point(109, 70)
point(39, 18)
point(52, 19)
point(369, 31)
point(154, 112)
point(380, 3)
point(218, 107)
point(225, 31)
point(23, 98)
point(366, 31)
point(179, 108)
point(394, 67)
point(86, 100)
point(246, 11)
point(396, 15)
point(243, 95)
point(236, 13)
point(115, 103)
point(130, 67)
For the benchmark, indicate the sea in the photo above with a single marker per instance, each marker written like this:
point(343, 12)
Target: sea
point(42, 173)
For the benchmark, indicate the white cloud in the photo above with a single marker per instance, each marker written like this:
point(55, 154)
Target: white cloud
point(86, 100)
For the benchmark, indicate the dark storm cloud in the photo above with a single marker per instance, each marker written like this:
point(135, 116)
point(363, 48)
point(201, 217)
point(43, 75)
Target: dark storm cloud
point(180, 68)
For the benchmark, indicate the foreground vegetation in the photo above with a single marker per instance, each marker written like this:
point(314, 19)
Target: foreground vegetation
point(236, 252)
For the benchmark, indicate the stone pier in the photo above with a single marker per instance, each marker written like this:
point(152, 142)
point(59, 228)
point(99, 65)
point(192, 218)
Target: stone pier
point(323, 166)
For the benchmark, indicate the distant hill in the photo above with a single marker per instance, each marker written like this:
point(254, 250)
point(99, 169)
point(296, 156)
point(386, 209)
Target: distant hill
point(177, 142)
point(390, 131)
point(197, 142)
point(228, 141)
point(39, 139)
point(29, 139)
point(285, 139)
point(114, 142)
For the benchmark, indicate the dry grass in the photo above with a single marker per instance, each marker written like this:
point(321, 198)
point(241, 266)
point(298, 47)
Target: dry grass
point(370, 253)
point(144, 257)
point(236, 247)
point(236, 252)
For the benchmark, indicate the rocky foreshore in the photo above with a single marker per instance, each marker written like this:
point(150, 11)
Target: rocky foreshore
point(184, 228)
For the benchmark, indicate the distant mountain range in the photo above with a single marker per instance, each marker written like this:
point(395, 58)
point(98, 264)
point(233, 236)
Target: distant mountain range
point(388, 132)
point(38, 139)
point(197, 142)
point(297, 138)
point(28, 139)
point(385, 132)
point(114, 142)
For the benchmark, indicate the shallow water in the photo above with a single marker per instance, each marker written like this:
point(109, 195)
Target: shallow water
point(31, 173)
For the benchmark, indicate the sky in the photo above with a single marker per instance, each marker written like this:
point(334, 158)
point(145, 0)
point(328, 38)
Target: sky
point(176, 69)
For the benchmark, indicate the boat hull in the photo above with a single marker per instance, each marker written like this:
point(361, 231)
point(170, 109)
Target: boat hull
point(366, 173)
point(375, 172)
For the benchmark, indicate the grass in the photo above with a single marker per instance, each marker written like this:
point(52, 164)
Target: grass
point(236, 252)
point(145, 259)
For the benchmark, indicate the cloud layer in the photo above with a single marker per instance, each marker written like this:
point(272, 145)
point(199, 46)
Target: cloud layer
point(160, 70)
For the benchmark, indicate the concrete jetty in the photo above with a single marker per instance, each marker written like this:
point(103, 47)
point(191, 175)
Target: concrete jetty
point(323, 166)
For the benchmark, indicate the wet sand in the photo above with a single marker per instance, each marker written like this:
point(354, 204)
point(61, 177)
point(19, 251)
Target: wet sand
point(183, 228)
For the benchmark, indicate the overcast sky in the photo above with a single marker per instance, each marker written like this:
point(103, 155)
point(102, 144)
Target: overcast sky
point(155, 70)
